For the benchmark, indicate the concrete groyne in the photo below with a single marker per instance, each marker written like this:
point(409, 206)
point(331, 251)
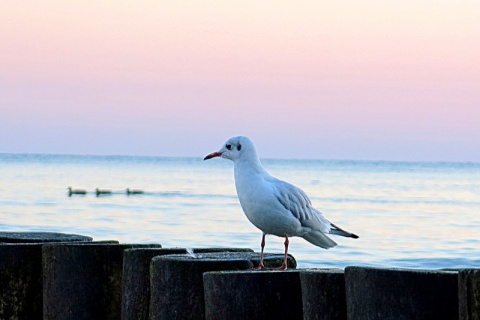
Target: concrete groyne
point(61, 276)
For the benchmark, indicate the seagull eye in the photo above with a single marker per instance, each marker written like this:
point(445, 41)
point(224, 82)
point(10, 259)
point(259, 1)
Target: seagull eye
point(239, 147)
point(229, 146)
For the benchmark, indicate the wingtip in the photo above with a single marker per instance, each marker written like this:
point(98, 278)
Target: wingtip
point(340, 232)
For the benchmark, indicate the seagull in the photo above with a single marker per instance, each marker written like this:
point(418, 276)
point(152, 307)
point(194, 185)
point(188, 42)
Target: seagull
point(274, 206)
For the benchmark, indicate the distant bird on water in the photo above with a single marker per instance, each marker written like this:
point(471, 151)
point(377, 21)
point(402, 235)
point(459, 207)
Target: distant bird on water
point(274, 206)
point(100, 192)
point(72, 191)
point(134, 191)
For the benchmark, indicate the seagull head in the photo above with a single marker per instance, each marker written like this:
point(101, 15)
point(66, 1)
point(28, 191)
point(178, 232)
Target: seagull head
point(234, 149)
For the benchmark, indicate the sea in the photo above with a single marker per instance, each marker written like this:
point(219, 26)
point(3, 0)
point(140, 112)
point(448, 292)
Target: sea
point(418, 215)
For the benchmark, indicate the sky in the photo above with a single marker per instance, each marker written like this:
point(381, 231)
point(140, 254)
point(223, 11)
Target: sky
point(360, 80)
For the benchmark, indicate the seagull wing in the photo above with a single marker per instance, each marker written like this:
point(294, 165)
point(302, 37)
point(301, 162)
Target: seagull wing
point(297, 202)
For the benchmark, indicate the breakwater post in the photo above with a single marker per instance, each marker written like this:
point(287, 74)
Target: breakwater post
point(21, 284)
point(469, 294)
point(182, 277)
point(83, 281)
point(374, 293)
point(266, 294)
point(323, 294)
point(136, 277)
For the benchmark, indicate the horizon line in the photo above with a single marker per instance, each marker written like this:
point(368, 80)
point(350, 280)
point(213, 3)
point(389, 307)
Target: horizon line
point(261, 158)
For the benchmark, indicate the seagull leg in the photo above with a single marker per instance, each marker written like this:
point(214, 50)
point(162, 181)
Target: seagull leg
point(262, 245)
point(285, 257)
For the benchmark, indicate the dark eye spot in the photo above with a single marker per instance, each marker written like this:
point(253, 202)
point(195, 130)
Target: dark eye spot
point(239, 147)
point(229, 146)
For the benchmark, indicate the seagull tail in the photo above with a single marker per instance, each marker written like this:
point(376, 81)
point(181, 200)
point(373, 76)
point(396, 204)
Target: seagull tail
point(340, 232)
point(320, 239)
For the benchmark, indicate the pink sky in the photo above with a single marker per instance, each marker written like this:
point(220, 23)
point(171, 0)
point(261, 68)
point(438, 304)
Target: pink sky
point(391, 80)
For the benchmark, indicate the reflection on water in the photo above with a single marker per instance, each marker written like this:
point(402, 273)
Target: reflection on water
point(415, 215)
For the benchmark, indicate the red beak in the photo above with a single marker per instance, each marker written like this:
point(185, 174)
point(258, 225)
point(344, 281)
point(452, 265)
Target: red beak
point(212, 155)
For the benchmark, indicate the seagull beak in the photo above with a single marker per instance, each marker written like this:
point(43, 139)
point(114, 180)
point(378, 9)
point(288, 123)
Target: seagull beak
point(212, 155)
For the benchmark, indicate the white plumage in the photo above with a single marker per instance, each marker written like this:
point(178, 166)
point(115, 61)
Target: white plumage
point(272, 205)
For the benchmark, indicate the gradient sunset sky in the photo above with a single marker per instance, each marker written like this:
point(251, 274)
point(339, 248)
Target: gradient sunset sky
point(379, 80)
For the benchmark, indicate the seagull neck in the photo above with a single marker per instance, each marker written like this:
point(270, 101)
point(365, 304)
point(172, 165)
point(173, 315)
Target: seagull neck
point(252, 165)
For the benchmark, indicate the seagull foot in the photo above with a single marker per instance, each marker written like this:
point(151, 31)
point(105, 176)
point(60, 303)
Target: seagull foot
point(282, 267)
point(260, 267)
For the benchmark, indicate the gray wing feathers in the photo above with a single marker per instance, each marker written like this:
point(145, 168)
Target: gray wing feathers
point(298, 203)
point(293, 199)
point(315, 224)
point(320, 239)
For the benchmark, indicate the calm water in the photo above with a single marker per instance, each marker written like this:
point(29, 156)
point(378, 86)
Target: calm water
point(414, 215)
